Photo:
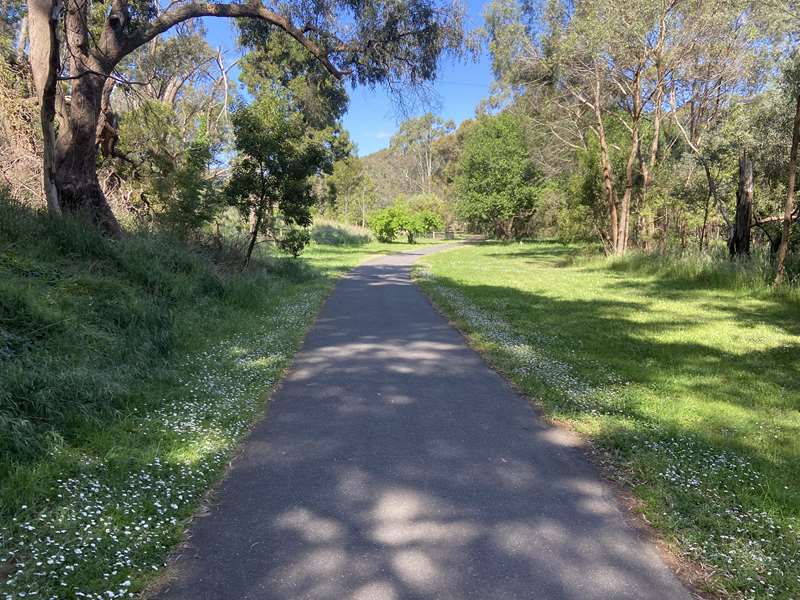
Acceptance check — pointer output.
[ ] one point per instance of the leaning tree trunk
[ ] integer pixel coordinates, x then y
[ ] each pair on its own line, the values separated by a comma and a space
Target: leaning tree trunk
259, 215
788, 209
739, 242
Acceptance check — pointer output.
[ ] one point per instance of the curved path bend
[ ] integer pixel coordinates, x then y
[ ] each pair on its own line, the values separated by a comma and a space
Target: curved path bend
394, 464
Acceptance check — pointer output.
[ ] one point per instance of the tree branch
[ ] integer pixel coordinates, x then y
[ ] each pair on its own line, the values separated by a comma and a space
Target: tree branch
184, 12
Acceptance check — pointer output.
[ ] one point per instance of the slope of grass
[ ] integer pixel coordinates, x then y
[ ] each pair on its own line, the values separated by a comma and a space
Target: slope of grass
691, 390
129, 371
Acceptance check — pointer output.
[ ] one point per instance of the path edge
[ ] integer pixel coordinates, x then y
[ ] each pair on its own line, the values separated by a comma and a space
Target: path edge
691, 574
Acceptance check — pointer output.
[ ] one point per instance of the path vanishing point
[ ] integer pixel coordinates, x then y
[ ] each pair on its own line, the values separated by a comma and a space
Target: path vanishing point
394, 464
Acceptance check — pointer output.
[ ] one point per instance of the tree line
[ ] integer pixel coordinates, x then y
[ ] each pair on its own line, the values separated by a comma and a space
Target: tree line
660, 126
674, 123
126, 112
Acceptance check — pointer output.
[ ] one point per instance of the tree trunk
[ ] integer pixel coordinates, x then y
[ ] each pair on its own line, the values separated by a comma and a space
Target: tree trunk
788, 208
44, 52
625, 205
70, 169
253, 235
739, 242
703, 236
76, 166
608, 183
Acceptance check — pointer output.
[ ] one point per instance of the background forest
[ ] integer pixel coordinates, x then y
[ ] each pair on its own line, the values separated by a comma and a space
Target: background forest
665, 129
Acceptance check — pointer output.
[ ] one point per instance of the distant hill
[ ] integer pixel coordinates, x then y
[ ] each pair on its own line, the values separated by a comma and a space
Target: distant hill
390, 171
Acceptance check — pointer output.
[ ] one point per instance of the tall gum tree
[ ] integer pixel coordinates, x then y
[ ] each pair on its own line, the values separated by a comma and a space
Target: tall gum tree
598, 61
366, 41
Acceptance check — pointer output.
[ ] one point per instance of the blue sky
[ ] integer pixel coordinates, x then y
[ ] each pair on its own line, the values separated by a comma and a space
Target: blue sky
372, 116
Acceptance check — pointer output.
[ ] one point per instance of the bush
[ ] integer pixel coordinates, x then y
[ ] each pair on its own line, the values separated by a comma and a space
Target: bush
339, 234
387, 223
384, 225
294, 241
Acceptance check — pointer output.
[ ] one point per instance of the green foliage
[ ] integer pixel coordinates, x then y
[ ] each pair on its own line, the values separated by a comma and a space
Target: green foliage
429, 221
294, 241
338, 234
497, 183
277, 154
276, 63
384, 224
349, 191
195, 200
178, 191
387, 223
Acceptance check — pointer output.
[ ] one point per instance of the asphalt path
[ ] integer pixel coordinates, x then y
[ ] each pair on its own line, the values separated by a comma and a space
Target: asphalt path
394, 464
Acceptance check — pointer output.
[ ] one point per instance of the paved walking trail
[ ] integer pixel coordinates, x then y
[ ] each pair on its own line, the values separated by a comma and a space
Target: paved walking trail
393, 464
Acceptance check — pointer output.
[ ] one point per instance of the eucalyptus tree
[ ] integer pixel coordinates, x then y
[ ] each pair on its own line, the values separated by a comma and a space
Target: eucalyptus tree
350, 189
417, 138
601, 60
364, 41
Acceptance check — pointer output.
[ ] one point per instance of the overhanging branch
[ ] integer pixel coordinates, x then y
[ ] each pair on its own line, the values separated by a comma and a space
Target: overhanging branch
183, 12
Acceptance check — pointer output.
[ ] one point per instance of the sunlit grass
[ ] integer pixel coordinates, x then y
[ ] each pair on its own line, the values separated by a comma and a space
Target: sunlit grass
94, 508
692, 390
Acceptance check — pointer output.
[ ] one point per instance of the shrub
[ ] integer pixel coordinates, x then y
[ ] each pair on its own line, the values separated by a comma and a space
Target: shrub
384, 224
339, 234
387, 223
294, 240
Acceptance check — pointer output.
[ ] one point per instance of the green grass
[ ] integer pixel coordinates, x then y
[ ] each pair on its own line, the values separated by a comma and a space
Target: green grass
687, 377
129, 372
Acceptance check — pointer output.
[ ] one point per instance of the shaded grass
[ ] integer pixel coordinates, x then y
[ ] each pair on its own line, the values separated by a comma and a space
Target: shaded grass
129, 371
692, 390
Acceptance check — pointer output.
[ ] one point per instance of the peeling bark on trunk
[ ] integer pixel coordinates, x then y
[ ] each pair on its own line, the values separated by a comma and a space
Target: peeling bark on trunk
788, 208
739, 242
43, 16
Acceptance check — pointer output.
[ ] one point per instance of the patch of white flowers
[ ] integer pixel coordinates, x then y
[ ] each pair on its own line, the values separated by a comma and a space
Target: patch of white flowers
99, 532
751, 548
528, 354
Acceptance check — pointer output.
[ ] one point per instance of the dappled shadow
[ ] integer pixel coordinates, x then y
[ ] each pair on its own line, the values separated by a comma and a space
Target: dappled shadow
609, 336
553, 254
395, 465
773, 309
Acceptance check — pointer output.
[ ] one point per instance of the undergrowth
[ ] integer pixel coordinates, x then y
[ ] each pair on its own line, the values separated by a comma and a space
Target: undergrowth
129, 371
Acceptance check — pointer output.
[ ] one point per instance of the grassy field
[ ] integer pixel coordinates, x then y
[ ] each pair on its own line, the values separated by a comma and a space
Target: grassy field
129, 372
687, 379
